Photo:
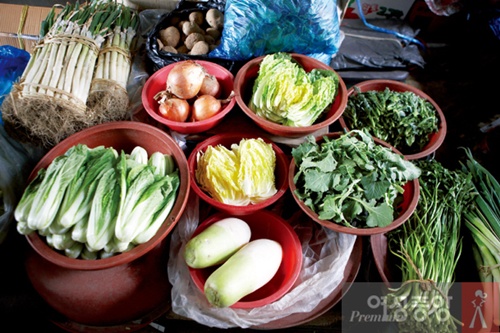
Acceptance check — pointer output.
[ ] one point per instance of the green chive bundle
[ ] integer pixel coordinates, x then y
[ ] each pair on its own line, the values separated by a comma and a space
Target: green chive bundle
483, 221
429, 246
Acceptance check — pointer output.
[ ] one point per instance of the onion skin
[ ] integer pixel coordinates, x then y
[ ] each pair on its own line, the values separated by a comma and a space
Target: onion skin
185, 79
174, 109
210, 86
204, 107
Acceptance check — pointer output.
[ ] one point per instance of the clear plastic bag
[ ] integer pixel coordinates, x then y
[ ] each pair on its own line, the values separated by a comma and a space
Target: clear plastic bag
258, 27
325, 256
365, 48
445, 7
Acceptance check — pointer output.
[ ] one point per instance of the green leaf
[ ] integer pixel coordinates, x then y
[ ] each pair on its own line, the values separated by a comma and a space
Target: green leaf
102, 217
375, 189
379, 216
317, 181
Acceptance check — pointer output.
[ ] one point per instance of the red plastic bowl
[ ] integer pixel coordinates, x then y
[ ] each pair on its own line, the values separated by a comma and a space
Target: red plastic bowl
157, 83
435, 139
384, 261
406, 208
263, 224
243, 85
226, 140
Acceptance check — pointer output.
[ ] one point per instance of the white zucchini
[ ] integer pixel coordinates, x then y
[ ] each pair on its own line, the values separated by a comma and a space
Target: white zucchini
217, 243
247, 270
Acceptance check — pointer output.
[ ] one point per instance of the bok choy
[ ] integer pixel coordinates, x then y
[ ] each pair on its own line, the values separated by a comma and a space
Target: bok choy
94, 202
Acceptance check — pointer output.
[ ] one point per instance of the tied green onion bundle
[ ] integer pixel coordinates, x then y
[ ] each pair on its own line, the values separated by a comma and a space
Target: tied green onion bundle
51, 100
93, 203
108, 97
429, 246
483, 220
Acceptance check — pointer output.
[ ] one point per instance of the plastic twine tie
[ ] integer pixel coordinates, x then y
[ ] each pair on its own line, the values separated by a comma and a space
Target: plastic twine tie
20, 28
374, 27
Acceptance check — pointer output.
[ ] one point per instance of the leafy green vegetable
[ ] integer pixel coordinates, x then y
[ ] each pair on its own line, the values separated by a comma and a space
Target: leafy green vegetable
256, 173
104, 208
238, 176
76, 202
136, 185
166, 190
93, 203
403, 119
350, 179
23, 208
429, 246
483, 220
51, 191
286, 94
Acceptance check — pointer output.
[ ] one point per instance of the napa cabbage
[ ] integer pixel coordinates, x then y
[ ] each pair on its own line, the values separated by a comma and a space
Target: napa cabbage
286, 94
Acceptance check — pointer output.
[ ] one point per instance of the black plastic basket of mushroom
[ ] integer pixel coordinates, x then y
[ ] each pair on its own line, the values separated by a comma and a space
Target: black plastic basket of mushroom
190, 31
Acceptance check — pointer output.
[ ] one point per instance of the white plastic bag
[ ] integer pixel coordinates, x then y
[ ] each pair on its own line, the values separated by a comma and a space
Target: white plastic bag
325, 256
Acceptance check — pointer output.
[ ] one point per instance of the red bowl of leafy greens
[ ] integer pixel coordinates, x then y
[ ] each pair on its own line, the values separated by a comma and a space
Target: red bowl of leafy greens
397, 113
289, 94
238, 174
353, 182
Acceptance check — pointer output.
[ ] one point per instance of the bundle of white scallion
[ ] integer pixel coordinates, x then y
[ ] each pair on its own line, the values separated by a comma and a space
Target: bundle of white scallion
483, 222
108, 97
49, 103
93, 203
429, 246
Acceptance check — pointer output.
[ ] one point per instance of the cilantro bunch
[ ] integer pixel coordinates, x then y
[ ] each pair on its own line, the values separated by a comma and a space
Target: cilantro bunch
351, 180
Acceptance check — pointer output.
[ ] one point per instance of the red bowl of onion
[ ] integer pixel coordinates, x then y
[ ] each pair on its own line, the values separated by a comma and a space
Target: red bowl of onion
189, 96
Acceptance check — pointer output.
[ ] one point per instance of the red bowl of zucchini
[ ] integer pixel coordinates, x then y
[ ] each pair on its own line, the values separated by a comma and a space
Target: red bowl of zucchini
397, 113
257, 263
353, 183
237, 173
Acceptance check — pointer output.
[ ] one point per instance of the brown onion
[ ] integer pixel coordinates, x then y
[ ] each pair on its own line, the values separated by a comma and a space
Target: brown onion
185, 79
205, 106
174, 109
210, 86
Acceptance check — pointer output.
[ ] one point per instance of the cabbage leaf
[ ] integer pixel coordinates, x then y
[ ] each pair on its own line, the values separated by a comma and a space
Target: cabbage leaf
286, 94
238, 176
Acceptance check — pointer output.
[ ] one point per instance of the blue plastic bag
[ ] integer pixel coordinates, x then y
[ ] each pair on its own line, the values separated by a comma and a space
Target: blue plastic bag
254, 28
13, 61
